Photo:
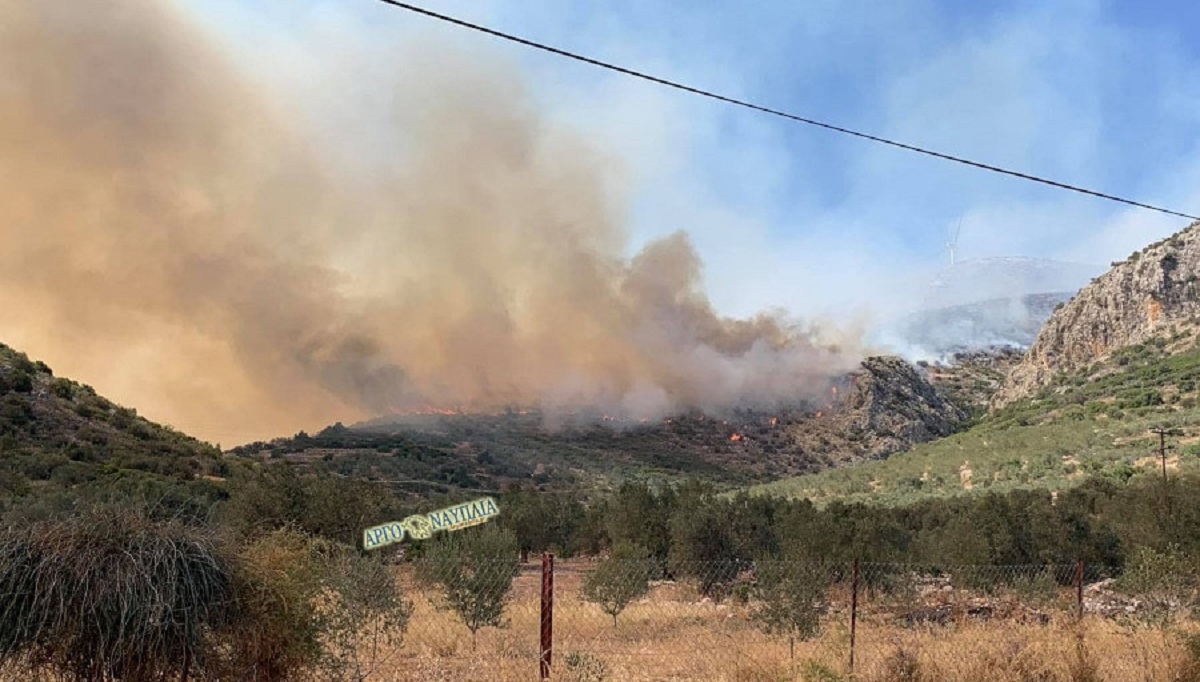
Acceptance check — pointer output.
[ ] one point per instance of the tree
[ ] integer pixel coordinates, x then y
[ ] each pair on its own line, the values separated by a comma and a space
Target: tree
474, 569
703, 548
641, 516
621, 578
367, 620
790, 593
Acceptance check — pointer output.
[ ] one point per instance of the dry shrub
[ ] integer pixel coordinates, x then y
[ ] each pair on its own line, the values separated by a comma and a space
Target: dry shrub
1189, 667
279, 628
110, 594
313, 606
903, 665
1083, 667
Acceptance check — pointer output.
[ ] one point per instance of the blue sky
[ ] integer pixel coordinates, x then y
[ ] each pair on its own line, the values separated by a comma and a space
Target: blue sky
1100, 94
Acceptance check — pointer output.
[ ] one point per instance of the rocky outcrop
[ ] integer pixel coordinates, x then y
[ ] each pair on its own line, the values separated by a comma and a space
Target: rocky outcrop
1156, 292
895, 407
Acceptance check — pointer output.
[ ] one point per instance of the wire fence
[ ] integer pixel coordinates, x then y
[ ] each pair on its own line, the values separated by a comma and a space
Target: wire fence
789, 620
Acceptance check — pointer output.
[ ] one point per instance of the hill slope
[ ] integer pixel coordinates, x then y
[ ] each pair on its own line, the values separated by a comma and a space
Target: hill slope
58, 433
881, 409
1094, 422
1155, 293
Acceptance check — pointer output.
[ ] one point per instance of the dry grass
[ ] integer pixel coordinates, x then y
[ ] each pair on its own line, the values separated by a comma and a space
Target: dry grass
673, 635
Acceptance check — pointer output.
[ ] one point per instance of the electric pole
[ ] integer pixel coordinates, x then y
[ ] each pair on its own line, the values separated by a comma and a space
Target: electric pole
1162, 455
1162, 449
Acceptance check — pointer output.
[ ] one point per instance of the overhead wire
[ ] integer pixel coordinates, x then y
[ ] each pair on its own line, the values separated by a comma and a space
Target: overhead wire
776, 112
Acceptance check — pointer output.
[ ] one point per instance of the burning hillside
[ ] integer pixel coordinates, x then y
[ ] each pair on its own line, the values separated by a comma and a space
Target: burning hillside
883, 408
161, 211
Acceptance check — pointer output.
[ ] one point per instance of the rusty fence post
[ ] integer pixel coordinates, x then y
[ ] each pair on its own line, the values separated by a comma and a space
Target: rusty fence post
547, 614
1079, 590
853, 613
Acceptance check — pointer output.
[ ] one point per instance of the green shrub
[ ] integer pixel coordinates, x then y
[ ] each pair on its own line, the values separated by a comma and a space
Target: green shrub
620, 579
583, 667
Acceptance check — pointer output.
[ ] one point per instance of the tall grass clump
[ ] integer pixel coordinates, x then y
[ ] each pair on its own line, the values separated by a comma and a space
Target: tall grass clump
113, 593
110, 594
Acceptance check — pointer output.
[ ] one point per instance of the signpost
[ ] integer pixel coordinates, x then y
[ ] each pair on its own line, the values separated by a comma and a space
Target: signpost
423, 526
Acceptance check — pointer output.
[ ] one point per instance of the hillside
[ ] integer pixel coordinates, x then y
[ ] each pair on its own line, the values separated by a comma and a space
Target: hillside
1155, 293
58, 434
1094, 422
883, 408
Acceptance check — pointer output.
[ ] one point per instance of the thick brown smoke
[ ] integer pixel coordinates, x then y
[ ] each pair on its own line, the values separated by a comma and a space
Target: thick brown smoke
171, 236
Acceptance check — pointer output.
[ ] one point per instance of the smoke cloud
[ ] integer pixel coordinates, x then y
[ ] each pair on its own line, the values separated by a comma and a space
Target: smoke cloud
173, 236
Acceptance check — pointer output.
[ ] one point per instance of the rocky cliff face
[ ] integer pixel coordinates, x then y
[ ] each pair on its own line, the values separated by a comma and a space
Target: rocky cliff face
894, 407
1156, 292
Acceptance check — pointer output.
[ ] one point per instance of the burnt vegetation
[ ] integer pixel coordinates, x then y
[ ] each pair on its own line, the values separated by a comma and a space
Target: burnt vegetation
885, 407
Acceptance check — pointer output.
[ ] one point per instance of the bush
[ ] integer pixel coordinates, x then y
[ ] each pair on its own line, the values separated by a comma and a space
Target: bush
620, 579
583, 667
279, 628
111, 594
1166, 580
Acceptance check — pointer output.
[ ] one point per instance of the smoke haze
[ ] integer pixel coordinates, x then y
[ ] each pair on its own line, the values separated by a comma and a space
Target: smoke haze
174, 237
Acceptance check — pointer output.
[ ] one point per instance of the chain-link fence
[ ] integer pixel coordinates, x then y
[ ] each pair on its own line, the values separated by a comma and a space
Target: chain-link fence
589, 620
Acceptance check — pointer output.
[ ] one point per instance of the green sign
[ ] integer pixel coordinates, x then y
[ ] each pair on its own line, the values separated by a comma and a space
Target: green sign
423, 526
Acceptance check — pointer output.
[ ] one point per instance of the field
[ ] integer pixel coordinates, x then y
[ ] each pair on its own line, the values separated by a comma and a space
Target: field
673, 635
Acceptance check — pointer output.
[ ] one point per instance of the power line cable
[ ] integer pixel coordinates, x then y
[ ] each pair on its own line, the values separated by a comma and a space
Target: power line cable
775, 112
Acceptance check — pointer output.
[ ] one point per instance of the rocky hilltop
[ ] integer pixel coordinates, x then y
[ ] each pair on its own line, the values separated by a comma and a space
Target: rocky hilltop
1155, 292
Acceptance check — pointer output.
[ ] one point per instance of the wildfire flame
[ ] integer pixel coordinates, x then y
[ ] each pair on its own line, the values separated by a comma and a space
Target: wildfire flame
834, 389
819, 414
736, 437
774, 421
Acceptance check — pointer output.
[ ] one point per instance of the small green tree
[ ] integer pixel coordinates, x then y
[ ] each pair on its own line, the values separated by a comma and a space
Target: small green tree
474, 569
1165, 580
790, 594
621, 578
367, 619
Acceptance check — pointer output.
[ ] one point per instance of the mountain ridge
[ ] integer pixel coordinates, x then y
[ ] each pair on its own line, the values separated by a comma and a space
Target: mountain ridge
1154, 292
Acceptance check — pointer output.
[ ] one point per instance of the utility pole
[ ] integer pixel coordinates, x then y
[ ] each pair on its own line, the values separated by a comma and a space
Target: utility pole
1162, 455
1162, 450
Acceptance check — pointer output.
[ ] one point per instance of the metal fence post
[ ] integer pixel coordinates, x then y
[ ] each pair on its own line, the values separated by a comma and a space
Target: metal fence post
1079, 589
853, 613
547, 614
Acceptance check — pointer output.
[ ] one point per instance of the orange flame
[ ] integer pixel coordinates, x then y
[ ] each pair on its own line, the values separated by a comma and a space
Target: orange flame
819, 415
774, 421
834, 389
736, 437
